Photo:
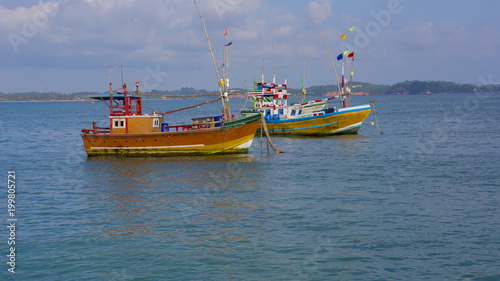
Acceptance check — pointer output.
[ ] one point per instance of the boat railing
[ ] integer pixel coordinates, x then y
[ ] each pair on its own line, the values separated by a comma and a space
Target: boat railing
118, 110
96, 130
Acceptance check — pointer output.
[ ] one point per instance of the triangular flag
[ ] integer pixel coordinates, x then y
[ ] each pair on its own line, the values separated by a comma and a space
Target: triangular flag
229, 44
347, 52
351, 55
343, 36
224, 32
351, 29
339, 57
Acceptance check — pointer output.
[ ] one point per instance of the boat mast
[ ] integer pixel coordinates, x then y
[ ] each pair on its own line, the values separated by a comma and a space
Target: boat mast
342, 97
221, 83
344, 55
225, 67
331, 58
304, 87
352, 63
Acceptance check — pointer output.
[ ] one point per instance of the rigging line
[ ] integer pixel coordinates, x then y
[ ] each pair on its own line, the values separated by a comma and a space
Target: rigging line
331, 58
372, 104
189, 107
236, 77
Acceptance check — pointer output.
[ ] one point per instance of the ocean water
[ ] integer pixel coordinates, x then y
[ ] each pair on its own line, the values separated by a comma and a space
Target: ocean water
419, 202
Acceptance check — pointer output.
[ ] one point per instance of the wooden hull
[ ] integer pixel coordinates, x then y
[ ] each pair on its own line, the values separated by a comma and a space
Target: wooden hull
345, 121
234, 137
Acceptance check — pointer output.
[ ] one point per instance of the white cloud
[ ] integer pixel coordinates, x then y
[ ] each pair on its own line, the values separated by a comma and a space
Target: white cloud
320, 10
284, 31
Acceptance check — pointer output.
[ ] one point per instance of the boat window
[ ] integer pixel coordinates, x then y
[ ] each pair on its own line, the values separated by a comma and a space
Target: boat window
280, 111
293, 112
156, 122
268, 111
119, 123
300, 112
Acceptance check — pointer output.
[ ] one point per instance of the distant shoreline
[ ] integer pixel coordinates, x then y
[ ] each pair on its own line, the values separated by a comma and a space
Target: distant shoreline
241, 97
358, 89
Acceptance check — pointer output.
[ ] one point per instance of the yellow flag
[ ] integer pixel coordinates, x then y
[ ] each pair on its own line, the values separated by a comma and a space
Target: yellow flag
343, 36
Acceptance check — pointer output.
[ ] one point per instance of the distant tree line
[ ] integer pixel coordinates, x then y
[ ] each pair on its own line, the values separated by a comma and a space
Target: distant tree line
52, 96
407, 88
433, 87
182, 91
403, 88
373, 89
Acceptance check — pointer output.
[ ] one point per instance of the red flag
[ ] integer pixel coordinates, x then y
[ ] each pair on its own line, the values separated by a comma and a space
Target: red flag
224, 32
351, 55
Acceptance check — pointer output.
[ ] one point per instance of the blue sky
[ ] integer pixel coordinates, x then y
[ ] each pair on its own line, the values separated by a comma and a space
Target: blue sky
61, 45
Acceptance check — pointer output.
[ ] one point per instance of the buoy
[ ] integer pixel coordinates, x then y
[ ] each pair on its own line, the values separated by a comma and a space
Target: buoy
372, 123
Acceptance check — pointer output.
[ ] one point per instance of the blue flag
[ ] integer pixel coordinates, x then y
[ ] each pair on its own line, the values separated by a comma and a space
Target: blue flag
339, 57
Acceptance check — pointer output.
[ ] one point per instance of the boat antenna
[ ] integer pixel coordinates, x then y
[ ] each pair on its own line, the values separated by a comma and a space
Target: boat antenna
121, 69
262, 77
109, 80
274, 67
331, 58
303, 89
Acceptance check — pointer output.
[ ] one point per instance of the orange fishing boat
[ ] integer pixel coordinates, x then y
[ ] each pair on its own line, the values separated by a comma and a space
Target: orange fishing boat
133, 133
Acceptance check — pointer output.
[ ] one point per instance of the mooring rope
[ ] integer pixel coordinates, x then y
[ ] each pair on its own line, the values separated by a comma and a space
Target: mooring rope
372, 104
267, 133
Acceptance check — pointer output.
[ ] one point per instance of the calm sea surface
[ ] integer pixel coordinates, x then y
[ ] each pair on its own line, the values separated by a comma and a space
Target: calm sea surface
420, 202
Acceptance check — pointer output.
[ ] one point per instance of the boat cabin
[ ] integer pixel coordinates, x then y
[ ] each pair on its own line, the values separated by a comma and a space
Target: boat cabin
125, 113
270, 97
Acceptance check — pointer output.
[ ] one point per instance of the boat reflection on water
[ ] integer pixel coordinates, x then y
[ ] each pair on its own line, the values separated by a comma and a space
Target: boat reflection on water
173, 198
